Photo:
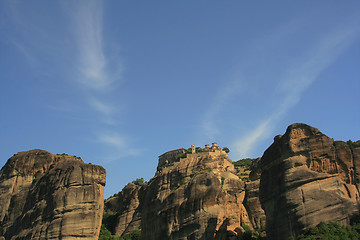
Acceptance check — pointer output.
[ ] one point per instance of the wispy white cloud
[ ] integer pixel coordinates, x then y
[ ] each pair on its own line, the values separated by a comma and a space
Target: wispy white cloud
244, 145
209, 125
99, 72
106, 110
95, 70
291, 78
114, 140
297, 79
120, 146
101, 107
26, 53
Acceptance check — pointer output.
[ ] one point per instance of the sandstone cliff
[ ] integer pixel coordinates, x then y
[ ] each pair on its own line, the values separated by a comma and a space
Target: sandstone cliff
307, 178
46, 196
123, 211
197, 197
251, 202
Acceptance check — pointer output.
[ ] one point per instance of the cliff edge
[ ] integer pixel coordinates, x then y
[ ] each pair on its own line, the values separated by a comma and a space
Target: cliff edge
308, 178
47, 196
198, 196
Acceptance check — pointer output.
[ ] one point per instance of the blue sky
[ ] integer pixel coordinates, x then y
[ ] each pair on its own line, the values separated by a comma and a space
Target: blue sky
121, 82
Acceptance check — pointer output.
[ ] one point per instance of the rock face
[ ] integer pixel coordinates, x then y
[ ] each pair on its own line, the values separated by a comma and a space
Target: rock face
197, 197
45, 196
251, 201
307, 178
126, 207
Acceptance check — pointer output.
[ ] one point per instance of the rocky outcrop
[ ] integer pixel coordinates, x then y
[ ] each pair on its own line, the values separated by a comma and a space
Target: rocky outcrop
307, 178
197, 197
47, 196
251, 202
302, 179
125, 208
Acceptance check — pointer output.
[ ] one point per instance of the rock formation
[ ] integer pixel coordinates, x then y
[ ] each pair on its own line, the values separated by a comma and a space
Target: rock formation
197, 197
302, 179
125, 208
306, 178
251, 201
47, 196
194, 198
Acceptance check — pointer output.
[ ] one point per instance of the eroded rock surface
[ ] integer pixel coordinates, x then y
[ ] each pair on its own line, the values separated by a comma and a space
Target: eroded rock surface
307, 178
251, 201
125, 208
197, 197
45, 196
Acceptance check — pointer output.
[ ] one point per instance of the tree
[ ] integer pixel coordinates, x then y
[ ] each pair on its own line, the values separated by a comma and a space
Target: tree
226, 149
138, 181
105, 234
332, 230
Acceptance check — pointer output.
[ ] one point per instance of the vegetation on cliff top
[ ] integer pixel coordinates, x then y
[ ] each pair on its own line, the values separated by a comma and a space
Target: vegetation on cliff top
243, 168
352, 144
65, 154
138, 181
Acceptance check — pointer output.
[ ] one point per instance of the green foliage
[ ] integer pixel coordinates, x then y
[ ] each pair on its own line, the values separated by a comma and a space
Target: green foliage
352, 144
222, 181
245, 179
246, 162
243, 168
134, 235
138, 181
201, 150
108, 227
250, 235
331, 231
166, 165
109, 220
181, 155
226, 149
105, 234
63, 154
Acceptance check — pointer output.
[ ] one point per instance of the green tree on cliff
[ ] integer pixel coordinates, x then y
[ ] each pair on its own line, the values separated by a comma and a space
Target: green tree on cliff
226, 149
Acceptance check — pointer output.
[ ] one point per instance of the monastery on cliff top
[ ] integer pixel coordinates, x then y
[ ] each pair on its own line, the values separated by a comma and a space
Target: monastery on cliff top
172, 155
